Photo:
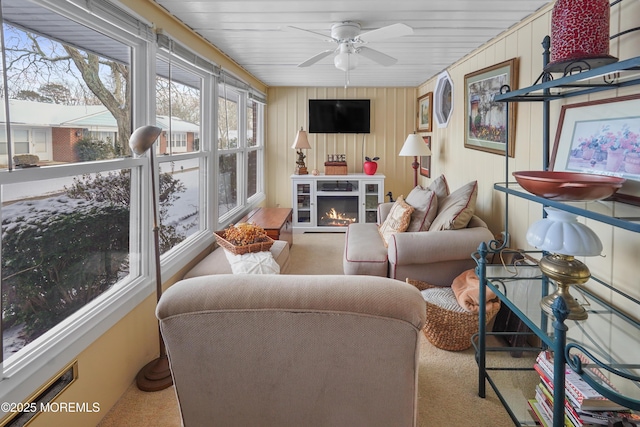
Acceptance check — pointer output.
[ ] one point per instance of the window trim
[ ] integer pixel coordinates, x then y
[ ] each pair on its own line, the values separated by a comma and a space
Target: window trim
53, 350
24, 372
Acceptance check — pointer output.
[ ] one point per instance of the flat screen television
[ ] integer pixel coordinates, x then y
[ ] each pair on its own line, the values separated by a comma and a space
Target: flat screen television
339, 115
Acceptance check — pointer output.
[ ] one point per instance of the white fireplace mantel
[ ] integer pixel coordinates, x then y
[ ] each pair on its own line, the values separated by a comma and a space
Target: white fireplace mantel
330, 202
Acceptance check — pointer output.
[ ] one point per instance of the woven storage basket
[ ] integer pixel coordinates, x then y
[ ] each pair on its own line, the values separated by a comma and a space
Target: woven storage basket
244, 249
448, 326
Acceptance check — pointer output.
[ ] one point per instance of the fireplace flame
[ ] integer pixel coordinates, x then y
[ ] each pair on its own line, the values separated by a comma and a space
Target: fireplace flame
333, 217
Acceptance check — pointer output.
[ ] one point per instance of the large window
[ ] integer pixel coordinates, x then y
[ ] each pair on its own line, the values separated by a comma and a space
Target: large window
254, 145
240, 149
178, 100
65, 233
77, 241
229, 149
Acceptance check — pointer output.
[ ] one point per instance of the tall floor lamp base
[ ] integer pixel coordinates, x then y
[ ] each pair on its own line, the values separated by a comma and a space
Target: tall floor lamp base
155, 375
415, 165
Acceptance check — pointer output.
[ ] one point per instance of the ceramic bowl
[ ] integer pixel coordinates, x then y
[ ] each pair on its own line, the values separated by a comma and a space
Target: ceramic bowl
568, 186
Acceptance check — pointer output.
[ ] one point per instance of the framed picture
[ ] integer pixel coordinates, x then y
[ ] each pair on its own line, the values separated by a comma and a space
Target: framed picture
487, 121
425, 108
444, 99
601, 137
425, 161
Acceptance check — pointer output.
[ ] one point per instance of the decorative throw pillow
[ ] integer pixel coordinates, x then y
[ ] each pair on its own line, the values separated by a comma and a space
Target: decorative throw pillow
440, 187
397, 221
253, 263
425, 205
455, 210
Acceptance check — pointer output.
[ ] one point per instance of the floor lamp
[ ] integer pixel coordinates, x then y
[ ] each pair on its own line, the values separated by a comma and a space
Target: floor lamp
415, 146
155, 375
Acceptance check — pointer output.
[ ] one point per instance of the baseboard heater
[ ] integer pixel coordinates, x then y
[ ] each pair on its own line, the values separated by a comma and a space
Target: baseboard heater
42, 397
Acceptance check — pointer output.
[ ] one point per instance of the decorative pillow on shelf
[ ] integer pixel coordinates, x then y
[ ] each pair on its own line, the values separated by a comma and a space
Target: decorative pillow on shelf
456, 209
425, 205
397, 221
440, 187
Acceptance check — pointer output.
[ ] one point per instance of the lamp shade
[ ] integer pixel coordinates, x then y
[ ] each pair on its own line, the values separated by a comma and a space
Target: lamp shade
414, 146
561, 233
143, 138
301, 141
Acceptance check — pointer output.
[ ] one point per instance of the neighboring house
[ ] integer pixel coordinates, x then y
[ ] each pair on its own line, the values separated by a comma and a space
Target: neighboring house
51, 131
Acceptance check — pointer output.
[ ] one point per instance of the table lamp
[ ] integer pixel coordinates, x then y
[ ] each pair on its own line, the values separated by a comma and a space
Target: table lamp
415, 146
301, 142
564, 238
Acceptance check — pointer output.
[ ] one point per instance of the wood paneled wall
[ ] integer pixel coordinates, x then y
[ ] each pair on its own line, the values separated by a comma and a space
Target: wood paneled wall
393, 117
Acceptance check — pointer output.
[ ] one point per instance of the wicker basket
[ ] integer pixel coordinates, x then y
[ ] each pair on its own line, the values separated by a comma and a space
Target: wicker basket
244, 249
449, 329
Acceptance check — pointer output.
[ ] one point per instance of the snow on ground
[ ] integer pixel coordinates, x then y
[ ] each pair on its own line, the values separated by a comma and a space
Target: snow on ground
47, 196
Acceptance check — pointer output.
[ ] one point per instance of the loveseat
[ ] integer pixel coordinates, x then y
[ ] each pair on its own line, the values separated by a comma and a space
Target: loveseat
432, 243
289, 350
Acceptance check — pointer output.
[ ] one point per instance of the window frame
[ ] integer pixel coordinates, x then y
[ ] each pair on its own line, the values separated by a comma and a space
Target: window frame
245, 202
52, 351
171, 260
24, 372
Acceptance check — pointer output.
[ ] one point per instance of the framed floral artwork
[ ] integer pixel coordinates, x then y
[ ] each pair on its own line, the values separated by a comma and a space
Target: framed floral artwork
425, 112
490, 125
425, 161
601, 137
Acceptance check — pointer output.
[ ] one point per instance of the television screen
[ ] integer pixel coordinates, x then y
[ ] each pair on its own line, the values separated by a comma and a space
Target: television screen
339, 115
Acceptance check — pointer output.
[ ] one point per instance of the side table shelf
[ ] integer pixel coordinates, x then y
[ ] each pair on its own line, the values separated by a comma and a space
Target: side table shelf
618, 214
606, 339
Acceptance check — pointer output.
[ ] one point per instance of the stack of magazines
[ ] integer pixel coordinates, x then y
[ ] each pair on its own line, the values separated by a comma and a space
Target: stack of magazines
583, 406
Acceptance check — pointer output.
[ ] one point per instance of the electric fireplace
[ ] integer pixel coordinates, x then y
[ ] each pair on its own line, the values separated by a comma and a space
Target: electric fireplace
337, 211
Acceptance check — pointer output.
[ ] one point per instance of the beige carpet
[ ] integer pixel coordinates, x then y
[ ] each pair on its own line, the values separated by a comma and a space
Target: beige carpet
317, 253
447, 381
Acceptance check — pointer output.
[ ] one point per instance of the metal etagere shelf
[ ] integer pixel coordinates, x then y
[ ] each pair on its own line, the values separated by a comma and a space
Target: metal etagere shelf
521, 287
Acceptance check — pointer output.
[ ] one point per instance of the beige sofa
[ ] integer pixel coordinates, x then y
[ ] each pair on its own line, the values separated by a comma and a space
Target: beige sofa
289, 350
432, 256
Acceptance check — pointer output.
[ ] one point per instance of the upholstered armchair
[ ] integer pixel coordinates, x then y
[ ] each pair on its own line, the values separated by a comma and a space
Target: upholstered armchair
278, 350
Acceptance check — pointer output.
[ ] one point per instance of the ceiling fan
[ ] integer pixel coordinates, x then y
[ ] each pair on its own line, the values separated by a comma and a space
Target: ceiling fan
351, 43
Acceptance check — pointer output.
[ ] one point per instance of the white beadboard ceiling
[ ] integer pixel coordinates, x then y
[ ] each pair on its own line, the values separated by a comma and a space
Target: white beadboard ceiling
251, 33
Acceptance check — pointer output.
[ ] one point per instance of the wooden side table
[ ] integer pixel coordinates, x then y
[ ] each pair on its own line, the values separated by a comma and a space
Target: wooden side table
277, 222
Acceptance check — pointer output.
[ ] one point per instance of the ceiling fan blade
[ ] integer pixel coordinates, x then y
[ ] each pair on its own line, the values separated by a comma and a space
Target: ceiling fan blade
388, 32
316, 58
320, 36
376, 56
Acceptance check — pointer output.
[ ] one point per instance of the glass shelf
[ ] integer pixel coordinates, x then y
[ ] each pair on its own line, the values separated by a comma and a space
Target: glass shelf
605, 334
627, 71
616, 213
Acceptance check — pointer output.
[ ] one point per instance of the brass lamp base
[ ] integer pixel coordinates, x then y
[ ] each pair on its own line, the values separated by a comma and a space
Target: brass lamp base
301, 170
565, 270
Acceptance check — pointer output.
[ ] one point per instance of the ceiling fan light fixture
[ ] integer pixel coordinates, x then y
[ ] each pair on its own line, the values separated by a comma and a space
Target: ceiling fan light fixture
345, 61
